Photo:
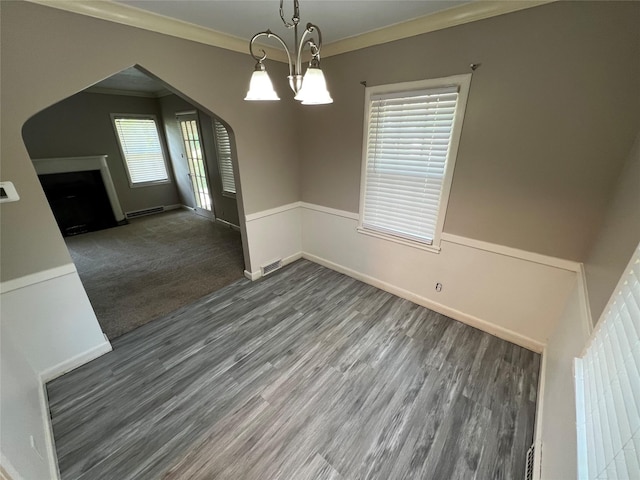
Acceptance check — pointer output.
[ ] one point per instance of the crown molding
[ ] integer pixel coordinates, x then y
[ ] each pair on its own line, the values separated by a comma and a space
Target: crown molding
136, 17
467, 13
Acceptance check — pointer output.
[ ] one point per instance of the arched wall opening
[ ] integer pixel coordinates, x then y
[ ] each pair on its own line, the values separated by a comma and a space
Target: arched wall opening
157, 263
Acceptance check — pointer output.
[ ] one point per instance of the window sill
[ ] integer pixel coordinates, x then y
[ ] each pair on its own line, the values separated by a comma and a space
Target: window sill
148, 184
400, 240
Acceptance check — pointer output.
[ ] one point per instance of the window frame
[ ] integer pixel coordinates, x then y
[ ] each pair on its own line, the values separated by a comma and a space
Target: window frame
132, 184
463, 82
601, 331
225, 193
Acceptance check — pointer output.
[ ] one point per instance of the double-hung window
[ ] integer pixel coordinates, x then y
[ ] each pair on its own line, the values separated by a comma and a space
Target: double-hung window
141, 149
223, 152
411, 139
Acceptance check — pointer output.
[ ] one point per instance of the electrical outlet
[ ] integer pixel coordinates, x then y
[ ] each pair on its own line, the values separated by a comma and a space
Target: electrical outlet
35, 446
438, 287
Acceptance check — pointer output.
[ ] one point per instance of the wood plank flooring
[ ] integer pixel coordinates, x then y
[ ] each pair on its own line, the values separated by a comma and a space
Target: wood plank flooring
305, 374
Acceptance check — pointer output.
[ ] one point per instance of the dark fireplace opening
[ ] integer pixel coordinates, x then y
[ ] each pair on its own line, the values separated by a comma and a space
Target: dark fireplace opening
79, 201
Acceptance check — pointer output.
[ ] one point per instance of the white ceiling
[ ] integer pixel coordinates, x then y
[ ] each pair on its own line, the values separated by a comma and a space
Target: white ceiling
337, 19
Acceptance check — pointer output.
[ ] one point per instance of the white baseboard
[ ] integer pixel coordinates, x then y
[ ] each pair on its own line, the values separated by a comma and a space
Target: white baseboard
285, 261
537, 435
470, 320
252, 275
228, 224
74, 362
50, 447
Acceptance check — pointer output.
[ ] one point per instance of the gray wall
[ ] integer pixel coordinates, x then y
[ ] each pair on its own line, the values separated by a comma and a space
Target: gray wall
225, 207
49, 55
618, 238
81, 126
552, 113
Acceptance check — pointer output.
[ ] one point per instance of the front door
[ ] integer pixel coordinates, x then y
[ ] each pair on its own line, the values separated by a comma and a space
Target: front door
190, 131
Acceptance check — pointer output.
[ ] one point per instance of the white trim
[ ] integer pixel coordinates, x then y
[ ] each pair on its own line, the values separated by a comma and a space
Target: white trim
471, 320
537, 436
123, 156
467, 13
585, 307
533, 257
135, 17
400, 240
38, 277
52, 457
463, 82
331, 211
75, 362
272, 211
513, 252
285, 261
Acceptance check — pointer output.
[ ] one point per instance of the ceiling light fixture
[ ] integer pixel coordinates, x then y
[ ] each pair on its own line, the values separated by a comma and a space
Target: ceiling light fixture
310, 89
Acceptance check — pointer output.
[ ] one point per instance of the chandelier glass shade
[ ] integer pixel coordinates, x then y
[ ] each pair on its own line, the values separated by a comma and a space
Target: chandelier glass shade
310, 89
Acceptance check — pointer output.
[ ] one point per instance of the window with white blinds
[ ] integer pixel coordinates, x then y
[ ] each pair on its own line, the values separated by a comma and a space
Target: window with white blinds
608, 387
223, 152
141, 149
412, 132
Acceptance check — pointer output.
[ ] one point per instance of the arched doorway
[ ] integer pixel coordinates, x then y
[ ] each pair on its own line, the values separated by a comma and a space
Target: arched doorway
118, 166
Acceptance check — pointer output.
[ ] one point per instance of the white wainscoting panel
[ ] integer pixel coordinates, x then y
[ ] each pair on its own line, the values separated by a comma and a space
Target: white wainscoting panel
272, 235
48, 328
53, 323
513, 298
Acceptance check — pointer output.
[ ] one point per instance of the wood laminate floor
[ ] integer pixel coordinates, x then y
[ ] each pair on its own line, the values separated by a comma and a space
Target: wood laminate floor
306, 374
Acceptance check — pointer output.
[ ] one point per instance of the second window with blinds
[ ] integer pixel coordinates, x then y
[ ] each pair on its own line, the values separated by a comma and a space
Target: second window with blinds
412, 131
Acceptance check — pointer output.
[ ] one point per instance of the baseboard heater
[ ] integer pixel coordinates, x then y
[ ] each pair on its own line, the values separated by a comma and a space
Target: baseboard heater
146, 211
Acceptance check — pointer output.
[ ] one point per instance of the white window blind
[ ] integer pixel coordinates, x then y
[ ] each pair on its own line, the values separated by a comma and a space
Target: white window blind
608, 387
141, 149
223, 150
408, 145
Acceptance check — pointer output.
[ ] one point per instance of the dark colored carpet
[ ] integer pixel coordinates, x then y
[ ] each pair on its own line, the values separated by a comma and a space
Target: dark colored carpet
156, 264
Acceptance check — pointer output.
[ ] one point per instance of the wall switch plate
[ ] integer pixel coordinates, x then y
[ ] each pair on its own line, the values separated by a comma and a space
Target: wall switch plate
8, 192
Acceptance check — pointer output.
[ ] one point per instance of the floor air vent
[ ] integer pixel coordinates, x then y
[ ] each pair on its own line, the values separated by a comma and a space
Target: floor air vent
528, 473
272, 267
147, 211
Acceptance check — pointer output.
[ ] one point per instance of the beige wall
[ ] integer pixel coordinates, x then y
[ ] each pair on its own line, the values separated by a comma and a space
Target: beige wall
552, 113
81, 126
618, 238
48, 55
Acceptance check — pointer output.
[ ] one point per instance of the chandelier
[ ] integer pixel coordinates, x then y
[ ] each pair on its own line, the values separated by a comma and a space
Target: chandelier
310, 89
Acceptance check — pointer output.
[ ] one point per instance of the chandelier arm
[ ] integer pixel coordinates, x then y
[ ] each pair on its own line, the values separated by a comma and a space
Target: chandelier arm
296, 14
313, 45
263, 56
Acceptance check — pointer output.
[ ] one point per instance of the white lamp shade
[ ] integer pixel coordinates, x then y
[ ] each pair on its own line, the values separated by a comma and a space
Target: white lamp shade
260, 87
314, 88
